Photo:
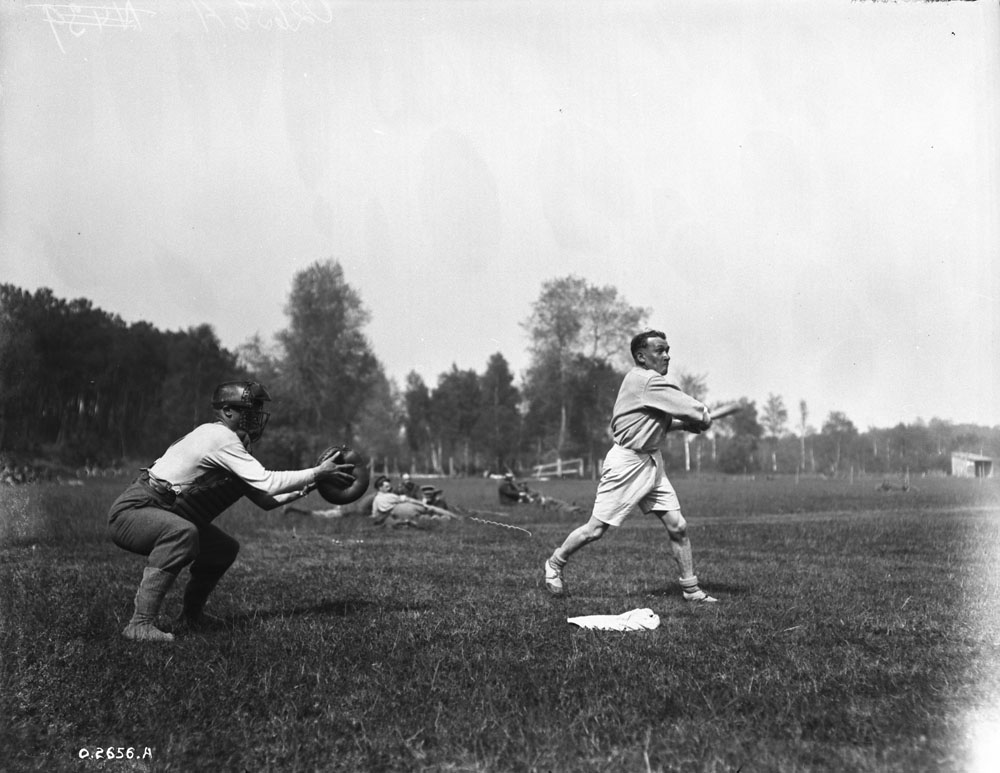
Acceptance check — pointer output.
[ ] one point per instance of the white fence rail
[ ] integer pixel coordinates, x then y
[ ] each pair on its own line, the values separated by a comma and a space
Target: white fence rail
560, 468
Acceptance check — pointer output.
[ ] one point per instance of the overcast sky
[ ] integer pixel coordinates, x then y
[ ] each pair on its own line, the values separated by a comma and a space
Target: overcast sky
806, 195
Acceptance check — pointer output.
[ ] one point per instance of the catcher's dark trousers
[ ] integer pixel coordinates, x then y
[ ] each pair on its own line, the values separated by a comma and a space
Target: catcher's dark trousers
140, 522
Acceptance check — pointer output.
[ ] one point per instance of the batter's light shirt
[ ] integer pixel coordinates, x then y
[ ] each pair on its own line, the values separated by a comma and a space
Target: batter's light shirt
214, 447
646, 406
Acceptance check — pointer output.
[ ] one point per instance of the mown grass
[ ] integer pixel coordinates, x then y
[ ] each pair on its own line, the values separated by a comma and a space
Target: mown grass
858, 631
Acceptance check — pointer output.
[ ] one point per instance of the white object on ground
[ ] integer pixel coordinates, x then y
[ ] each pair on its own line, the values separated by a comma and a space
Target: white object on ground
636, 620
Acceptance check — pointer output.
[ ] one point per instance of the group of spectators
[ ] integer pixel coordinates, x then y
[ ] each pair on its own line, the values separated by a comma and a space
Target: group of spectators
405, 503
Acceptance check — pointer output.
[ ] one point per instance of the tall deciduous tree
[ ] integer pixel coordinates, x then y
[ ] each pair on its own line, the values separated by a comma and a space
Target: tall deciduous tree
803, 431
196, 364
329, 365
498, 426
379, 425
594, 387
86, 387
837, 435
417, 422
739, 455
571, 318
455, 406
774, 420
259, 361
140, 368
21, 367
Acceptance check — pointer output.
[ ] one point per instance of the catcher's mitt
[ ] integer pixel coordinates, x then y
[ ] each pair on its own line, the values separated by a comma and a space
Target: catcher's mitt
361, 473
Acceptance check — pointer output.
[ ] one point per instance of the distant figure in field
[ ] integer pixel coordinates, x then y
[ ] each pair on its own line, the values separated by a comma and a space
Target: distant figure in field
434, 497
167, 512
648, 406
560, 505
407, 487
509, 493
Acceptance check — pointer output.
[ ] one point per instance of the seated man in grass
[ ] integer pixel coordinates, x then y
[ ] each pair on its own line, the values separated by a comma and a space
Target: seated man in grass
396, 510
434, 497
407, 487
509, 493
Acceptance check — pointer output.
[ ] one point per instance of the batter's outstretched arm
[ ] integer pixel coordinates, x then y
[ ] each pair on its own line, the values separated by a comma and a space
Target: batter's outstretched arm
689, 414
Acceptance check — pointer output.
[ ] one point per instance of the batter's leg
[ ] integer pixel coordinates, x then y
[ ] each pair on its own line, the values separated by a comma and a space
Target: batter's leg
680, 549
589, 532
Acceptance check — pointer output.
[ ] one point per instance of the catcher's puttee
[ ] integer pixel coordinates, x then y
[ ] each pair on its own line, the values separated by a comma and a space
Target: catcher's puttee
361, 473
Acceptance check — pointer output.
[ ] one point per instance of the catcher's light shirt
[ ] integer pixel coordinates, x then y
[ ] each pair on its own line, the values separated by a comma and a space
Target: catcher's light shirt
213, 448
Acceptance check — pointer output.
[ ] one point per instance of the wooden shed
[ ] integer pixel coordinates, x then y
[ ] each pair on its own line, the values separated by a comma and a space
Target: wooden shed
964, 465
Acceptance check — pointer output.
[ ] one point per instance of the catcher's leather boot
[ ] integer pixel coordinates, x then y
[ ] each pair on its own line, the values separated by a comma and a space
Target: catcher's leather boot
193, 617
148, 599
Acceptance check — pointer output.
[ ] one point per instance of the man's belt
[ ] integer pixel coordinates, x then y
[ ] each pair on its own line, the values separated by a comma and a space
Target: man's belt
202, 501
160, 487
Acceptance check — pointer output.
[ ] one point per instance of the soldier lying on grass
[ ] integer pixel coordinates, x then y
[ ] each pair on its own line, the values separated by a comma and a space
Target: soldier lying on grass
398, 510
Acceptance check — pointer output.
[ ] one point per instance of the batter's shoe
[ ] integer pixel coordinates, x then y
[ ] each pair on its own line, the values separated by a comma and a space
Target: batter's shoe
700, 597
554, 580
692, 591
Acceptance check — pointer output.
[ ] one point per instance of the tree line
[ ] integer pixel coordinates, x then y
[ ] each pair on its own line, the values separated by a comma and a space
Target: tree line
80, 386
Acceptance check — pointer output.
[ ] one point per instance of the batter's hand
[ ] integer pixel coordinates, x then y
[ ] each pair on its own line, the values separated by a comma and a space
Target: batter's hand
696, 426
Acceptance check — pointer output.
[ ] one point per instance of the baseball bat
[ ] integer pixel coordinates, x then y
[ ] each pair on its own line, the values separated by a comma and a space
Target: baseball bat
720, 411
725, 409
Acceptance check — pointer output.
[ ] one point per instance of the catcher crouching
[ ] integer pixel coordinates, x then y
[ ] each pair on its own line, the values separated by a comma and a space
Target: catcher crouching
166, 513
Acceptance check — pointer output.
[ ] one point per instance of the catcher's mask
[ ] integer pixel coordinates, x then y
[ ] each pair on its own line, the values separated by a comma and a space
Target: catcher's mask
249, 398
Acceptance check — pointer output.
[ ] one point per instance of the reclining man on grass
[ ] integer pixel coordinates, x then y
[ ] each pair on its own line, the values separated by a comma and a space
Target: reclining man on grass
396, 510
430, 495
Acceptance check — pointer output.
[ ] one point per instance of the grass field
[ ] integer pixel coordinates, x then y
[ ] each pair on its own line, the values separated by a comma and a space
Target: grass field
858, 631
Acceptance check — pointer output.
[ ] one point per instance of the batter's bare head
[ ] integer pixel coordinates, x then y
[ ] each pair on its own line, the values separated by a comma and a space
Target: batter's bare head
650, 350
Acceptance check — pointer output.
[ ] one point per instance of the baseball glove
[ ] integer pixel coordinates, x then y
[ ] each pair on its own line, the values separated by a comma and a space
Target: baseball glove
362, 476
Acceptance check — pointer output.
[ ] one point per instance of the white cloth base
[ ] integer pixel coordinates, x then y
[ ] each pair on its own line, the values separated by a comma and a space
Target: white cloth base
636, 620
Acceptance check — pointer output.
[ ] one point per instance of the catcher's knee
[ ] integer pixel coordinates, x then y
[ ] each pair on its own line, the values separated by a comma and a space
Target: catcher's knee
216, 556
177, 547
228, 550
